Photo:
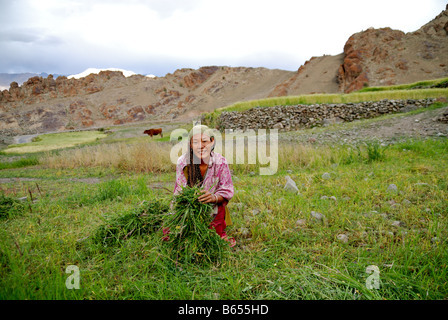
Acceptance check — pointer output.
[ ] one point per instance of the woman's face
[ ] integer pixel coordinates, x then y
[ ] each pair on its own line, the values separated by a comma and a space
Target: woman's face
202, 145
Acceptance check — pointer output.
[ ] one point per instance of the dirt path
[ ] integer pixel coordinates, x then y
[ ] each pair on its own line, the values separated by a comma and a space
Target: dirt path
83, 180
402, 126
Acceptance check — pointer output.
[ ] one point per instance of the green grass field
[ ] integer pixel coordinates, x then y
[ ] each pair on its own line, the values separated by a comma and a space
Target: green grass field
281, 252
76, 195
436, 83
47, 142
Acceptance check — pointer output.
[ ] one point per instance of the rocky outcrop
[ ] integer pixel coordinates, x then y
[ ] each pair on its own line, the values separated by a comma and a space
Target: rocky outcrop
377, 57
436, 27
196, 78
285, 118
38, 89
373, 45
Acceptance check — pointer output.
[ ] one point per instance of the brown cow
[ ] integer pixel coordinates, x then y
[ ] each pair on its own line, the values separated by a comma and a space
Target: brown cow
154, 132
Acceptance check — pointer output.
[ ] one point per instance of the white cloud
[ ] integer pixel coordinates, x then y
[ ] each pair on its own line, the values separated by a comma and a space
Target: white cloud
72, 35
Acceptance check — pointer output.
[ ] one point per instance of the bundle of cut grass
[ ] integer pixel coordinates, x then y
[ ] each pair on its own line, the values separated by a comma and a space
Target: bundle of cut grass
144, 219
190, 236
10, 207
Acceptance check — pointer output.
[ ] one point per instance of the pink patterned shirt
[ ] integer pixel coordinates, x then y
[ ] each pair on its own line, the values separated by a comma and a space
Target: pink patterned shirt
217, 180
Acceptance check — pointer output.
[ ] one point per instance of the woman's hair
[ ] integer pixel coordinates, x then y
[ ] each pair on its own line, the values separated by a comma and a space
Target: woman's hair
194, 171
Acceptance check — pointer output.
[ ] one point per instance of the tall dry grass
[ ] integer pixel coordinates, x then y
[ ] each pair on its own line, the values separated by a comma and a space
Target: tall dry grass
137, 157
155, 157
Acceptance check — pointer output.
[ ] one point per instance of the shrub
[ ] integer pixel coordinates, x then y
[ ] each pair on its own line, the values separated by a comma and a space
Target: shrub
375, 152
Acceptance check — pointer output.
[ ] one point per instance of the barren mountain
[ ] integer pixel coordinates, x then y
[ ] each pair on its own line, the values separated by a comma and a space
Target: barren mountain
110, 98
372, 57
376, 57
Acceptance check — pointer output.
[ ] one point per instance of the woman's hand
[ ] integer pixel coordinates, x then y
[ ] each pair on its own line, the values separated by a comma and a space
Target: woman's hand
208, 197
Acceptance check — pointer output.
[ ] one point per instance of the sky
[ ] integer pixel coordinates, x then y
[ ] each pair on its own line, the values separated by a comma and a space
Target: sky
160, 36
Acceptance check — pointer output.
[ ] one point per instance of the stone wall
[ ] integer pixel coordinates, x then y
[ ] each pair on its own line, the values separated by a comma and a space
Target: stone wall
287, 118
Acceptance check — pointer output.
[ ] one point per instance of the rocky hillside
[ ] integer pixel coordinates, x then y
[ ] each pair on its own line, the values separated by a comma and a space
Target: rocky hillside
109, 98
371, 57
376, 57
20, 78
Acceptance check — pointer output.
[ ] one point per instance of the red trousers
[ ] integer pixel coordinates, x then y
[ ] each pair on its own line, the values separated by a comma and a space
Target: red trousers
219, 223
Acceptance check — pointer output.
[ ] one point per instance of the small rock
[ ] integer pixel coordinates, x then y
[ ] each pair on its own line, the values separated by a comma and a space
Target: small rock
346, 198
392, 188
326, 176
290, 185
255, 212
268, 194
317, 216
301, 222
252, 173
406, 202
278, 125
22, 198
342, 237
323, 197
289, 171
333, 198
397, 223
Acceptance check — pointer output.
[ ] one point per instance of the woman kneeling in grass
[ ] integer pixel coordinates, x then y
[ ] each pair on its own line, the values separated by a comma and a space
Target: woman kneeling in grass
204, 167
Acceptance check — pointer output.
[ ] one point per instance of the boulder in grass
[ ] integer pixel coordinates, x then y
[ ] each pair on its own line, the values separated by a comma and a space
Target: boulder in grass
318, 217
300, 222
392, 188
291, 185
326, 176
342, 237
397, 223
